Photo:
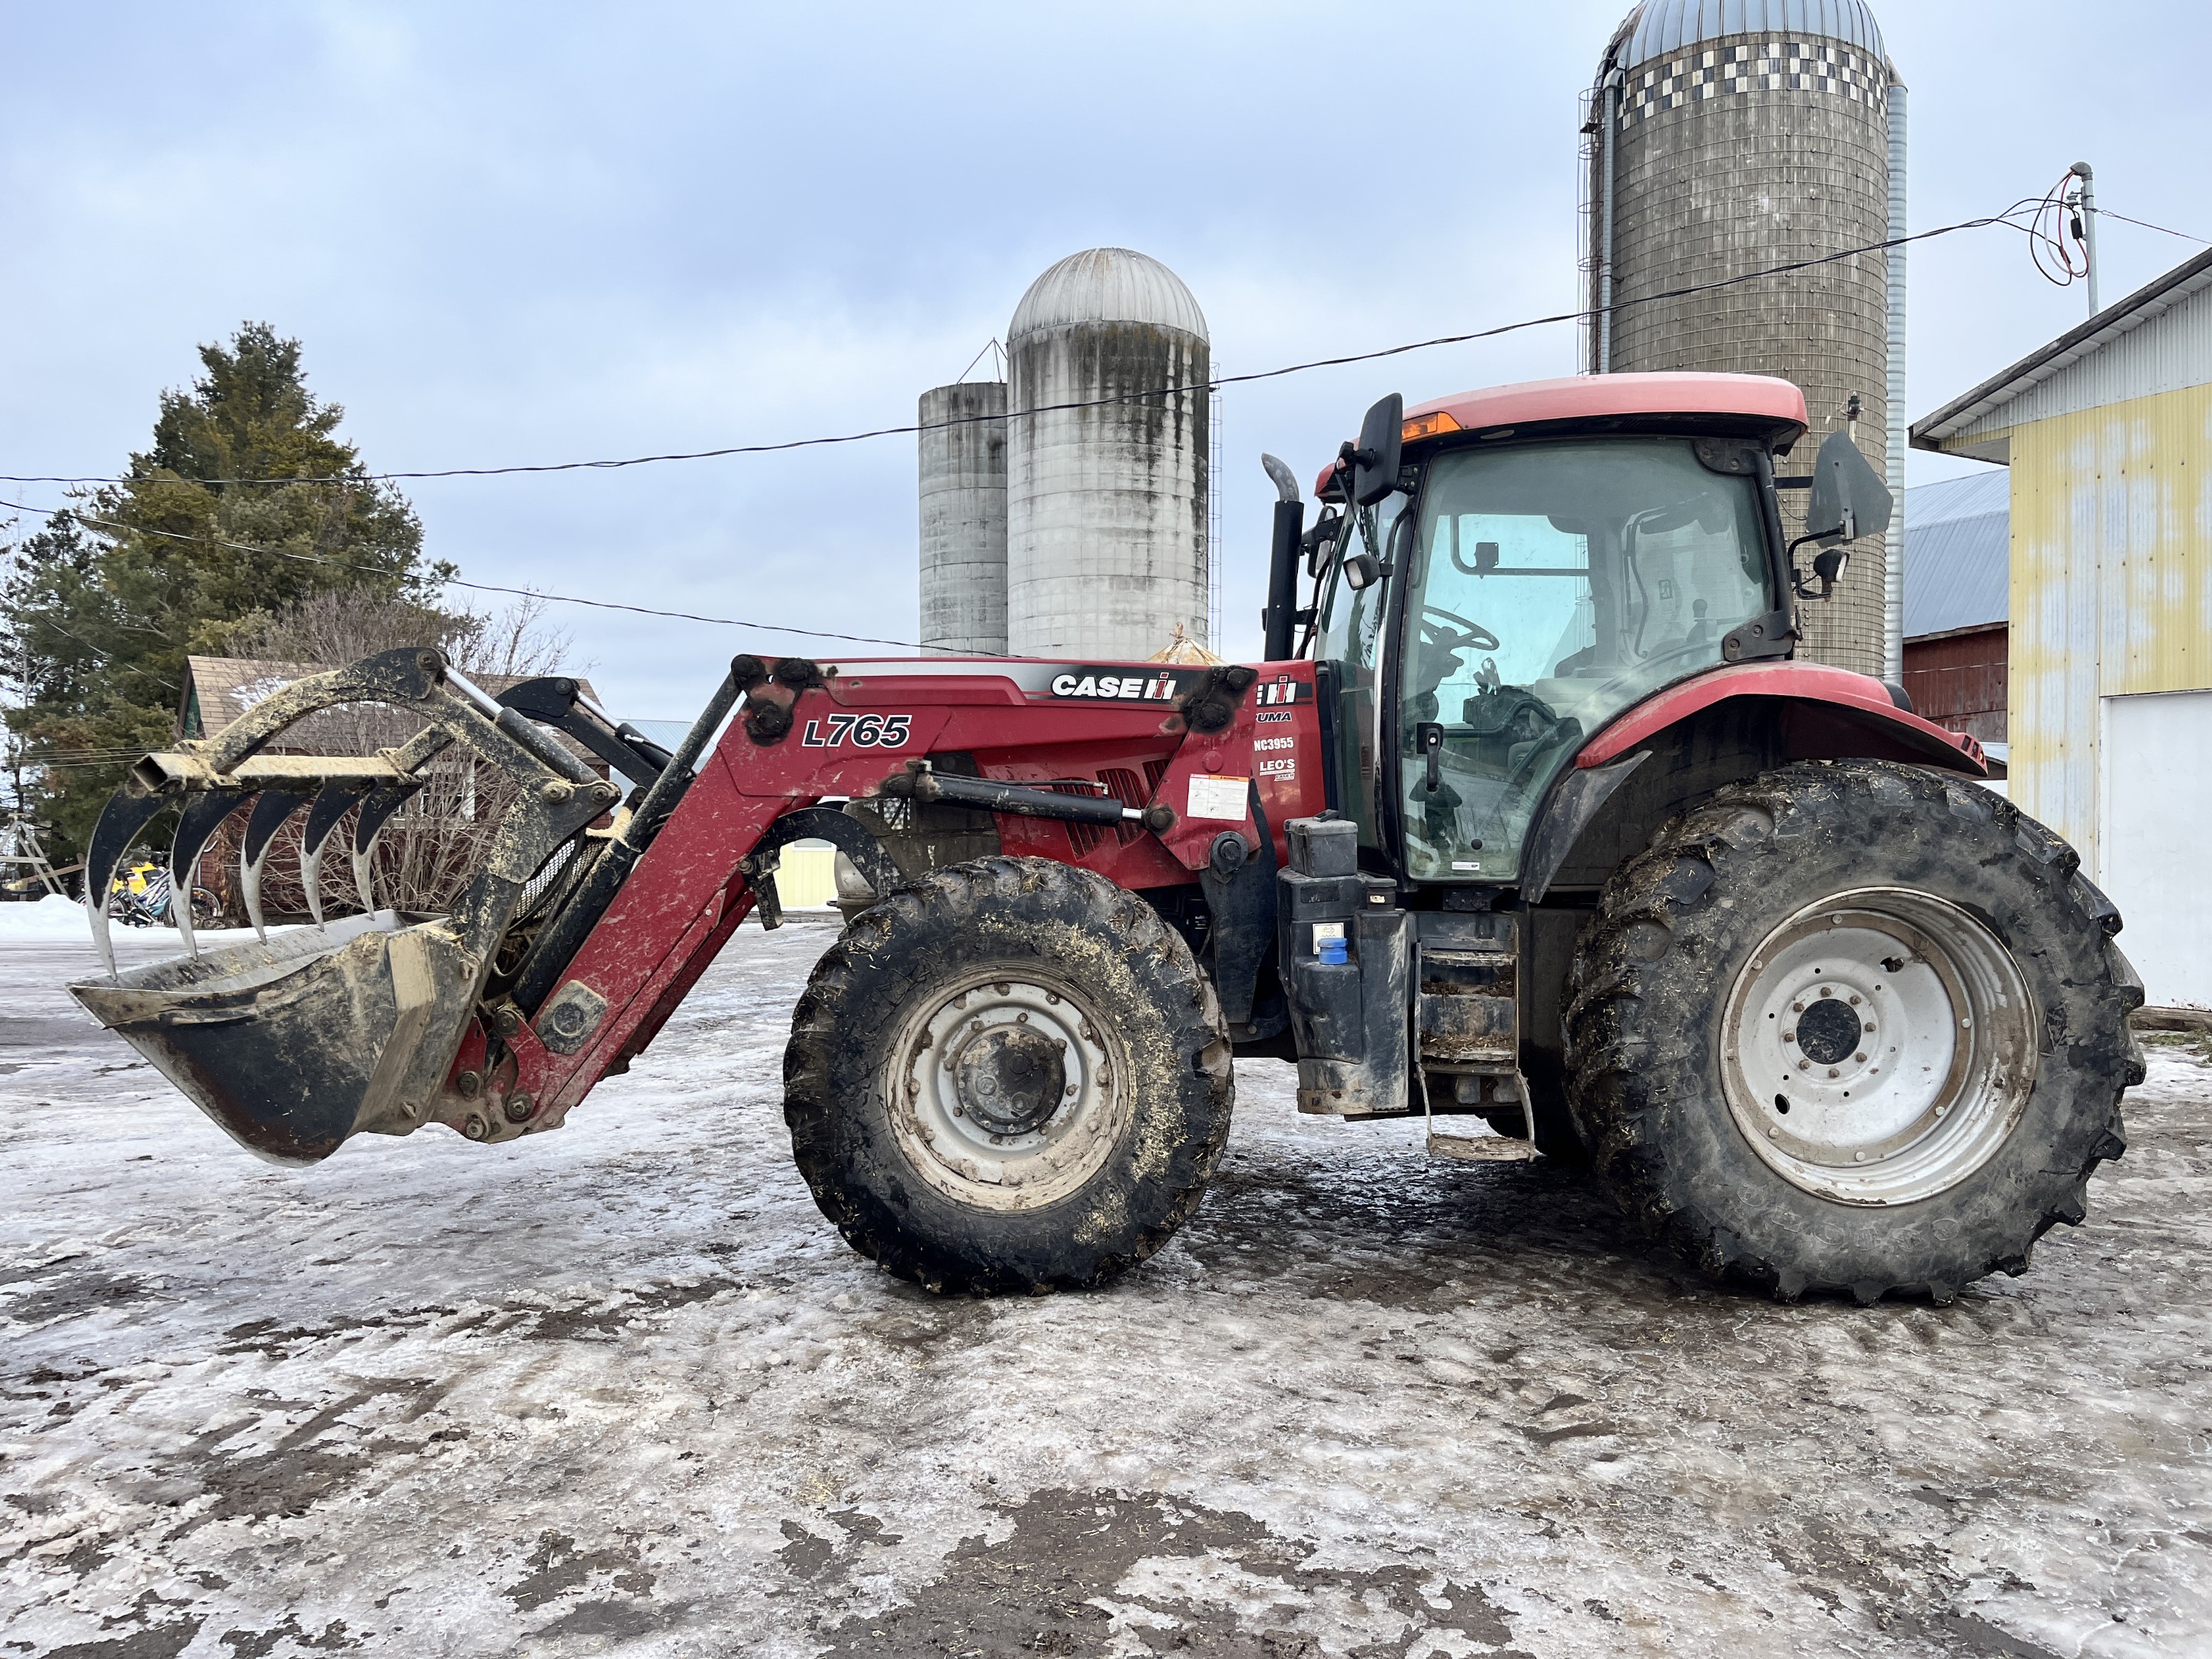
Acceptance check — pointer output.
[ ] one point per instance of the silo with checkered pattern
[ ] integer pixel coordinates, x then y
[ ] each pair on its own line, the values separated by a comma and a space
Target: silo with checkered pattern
1728, 137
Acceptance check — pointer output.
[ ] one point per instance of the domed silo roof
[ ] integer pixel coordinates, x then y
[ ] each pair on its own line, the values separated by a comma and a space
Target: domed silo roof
1660, 26
1108, 435
1107, 285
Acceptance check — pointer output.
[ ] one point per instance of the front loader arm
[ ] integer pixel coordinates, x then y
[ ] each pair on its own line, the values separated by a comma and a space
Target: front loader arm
497, 1020
804, 739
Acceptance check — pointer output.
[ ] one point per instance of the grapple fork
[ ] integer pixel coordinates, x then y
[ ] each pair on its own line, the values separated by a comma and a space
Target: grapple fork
292, 1044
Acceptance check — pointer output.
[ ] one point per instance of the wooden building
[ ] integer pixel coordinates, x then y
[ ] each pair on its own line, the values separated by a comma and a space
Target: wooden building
1957, 603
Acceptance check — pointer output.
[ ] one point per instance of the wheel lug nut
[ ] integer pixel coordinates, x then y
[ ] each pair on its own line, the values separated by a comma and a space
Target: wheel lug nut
1804, 1065
1796, 1007
1855, 1002
1826, 992
1860, 1058
1789, 1036
1833, 1072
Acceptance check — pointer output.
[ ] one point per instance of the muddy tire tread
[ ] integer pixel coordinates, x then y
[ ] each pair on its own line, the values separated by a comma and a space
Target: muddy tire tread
853, 975
1649, 905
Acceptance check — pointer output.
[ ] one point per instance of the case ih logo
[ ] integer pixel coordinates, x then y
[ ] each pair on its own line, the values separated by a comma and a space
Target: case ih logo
1124, 684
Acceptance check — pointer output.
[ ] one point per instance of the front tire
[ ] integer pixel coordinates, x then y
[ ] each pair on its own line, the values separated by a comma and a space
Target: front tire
1011, 1075
1852, 1026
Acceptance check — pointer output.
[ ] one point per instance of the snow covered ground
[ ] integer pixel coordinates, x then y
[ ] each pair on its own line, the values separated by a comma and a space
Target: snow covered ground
619, 1388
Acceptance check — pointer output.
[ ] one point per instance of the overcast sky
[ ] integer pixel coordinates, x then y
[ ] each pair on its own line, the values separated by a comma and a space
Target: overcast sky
526, 234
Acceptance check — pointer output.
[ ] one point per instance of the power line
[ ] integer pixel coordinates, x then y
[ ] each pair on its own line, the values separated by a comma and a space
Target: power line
1585, 315
2107, 213
450, 582
2004, 218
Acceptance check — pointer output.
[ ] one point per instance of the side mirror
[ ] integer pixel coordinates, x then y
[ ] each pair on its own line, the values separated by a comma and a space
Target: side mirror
1375, 463
1319, 543
1849, 497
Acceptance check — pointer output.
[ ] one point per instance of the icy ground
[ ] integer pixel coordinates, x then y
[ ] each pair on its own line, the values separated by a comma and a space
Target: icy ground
619, 1388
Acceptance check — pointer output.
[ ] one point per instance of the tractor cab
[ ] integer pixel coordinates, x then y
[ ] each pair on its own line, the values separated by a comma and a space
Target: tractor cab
1498, 577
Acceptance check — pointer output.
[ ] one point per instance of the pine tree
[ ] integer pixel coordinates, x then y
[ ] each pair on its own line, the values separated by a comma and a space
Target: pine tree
246, 503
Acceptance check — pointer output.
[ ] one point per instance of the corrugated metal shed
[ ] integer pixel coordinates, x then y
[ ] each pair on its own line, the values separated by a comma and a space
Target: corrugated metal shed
1958, 554
1659, 27
2118, 357
2108, 433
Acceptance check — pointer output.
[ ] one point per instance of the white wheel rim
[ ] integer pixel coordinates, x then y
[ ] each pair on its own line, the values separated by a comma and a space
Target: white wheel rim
1878, 1047
1007, 1093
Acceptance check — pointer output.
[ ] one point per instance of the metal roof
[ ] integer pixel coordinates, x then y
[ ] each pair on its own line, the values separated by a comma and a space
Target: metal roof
2153, 299
1660, 26
1958, 554
1107, 285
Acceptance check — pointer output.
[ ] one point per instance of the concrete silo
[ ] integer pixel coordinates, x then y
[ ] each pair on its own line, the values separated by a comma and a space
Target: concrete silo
1730, 136
1106, 503
963, 518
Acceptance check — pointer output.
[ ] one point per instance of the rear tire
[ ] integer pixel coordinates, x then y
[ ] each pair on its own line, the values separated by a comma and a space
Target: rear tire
1011, 1075
1852, 1026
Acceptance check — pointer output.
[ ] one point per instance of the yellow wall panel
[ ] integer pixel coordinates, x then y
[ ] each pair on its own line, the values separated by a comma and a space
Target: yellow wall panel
2112, 585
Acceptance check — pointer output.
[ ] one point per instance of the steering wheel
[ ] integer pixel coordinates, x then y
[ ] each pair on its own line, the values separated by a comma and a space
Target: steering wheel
1474, 634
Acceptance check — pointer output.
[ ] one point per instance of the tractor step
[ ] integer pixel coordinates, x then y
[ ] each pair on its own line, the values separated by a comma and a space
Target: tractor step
1480, 1148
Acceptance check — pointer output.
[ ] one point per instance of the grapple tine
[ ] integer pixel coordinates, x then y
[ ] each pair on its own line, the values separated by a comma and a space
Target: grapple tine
379, 805
330, 805
269, 812
120, 821
202, 816
181, 916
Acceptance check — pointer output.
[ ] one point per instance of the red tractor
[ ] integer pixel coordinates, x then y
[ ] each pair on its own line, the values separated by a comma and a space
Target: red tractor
1529, 816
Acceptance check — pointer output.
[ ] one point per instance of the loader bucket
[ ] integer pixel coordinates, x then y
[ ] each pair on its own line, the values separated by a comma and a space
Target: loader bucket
294, 1044
297, 1041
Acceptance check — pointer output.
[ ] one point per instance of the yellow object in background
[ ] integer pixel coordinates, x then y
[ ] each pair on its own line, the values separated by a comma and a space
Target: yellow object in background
807, 875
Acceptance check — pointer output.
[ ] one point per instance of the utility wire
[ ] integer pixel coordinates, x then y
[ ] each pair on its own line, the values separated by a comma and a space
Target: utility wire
2107, 213
2005, 218
451, 582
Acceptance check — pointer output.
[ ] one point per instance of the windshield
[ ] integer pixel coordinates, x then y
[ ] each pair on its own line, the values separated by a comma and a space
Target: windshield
1552, 586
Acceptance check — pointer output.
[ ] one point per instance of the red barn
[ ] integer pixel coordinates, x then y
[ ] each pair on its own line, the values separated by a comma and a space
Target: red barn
1958, 562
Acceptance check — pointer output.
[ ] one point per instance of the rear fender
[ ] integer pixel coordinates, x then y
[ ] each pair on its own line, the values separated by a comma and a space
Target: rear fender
1822, 713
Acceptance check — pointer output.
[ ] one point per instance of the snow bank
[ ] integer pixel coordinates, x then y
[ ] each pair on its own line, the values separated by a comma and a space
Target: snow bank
56, 921
50, 921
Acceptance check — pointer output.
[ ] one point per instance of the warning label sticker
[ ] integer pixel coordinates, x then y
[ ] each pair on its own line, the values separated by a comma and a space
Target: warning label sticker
1219, 797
